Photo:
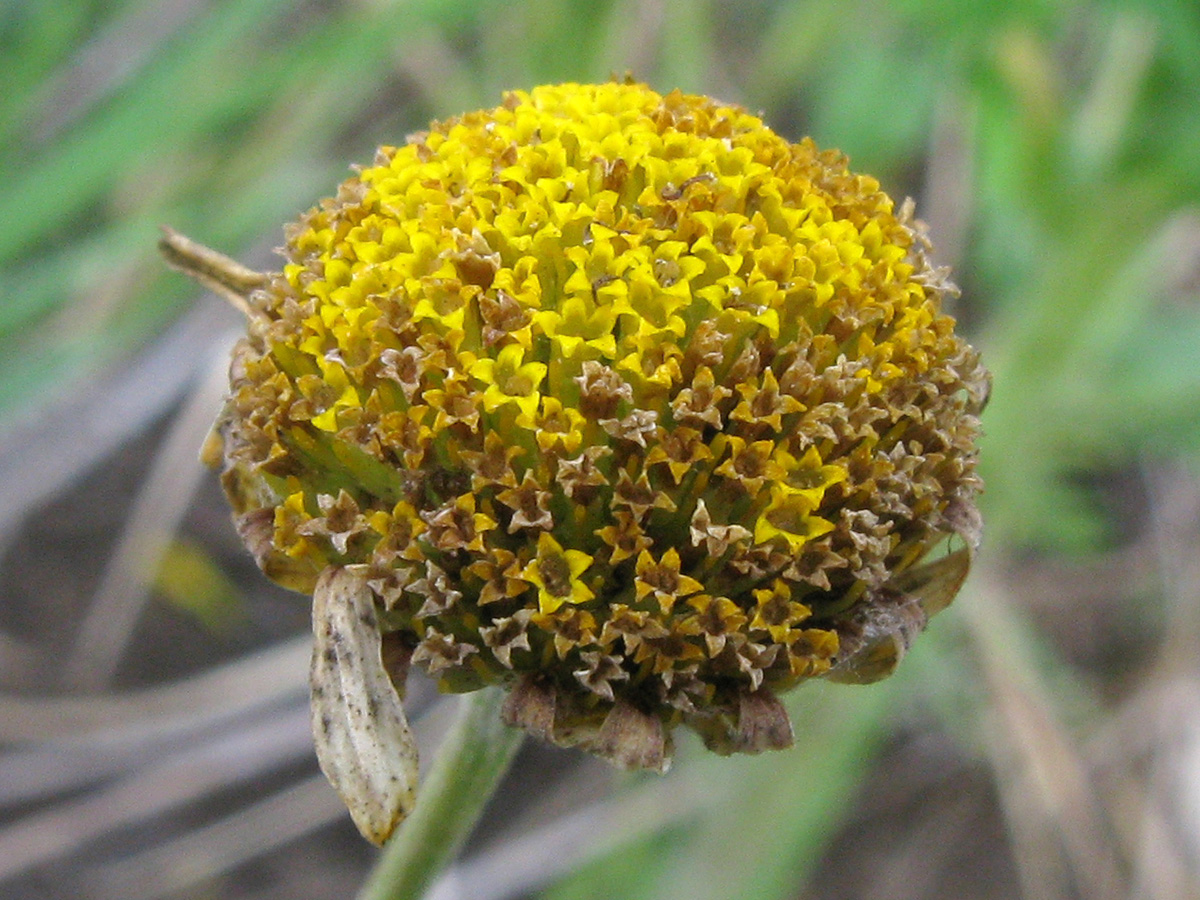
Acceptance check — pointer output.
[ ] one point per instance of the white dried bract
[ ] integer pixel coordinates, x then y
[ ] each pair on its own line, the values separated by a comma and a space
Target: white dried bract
363, 741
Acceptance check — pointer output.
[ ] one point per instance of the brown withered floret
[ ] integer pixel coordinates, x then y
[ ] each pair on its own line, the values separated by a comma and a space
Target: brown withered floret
681, 449
507, 634
530, 505
638, 497
501, 576
576, 476
625, 536
438, 652
601, 390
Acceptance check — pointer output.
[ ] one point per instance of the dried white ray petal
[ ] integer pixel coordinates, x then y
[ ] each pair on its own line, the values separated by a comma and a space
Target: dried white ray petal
363, 741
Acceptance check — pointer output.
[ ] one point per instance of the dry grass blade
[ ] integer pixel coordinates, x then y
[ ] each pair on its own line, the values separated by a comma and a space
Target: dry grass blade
181, 778
1174, 530
1155, 777
209, 852
41, 456
102, 64
164, 498
259, 828
948, 178
245, 684
1063, 841
1165, 846
521, 865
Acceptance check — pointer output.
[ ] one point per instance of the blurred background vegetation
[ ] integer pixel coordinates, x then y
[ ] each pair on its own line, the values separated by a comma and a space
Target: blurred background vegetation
1041, 741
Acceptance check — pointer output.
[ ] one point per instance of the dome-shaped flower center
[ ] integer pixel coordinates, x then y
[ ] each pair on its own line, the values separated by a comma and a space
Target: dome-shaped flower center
616, 398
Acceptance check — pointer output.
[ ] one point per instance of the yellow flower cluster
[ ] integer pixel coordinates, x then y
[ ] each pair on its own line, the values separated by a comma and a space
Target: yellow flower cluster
621, 399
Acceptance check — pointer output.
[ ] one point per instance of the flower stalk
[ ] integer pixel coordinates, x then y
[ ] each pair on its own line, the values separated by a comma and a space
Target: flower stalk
469, 767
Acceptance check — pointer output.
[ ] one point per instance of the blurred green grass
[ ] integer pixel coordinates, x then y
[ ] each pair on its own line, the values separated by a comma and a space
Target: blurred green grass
1057, 143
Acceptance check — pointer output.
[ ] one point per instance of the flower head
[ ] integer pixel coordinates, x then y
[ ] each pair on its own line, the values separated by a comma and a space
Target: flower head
621, 400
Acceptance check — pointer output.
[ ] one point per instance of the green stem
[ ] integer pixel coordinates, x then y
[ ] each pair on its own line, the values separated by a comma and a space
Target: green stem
469, 767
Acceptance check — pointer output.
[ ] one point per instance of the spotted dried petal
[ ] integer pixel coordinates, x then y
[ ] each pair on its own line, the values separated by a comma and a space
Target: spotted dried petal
363, 741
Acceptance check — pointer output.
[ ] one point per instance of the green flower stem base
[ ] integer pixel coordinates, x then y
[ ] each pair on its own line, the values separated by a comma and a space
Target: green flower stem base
469, 767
